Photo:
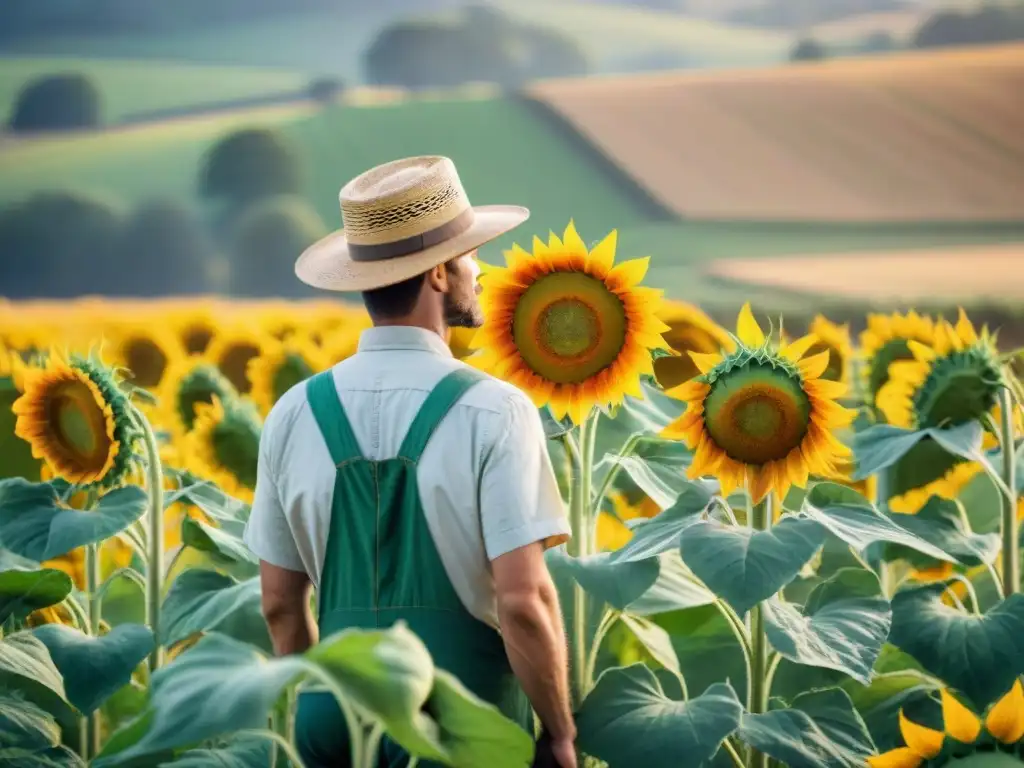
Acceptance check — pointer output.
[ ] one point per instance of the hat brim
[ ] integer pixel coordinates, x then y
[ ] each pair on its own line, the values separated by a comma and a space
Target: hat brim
327, 264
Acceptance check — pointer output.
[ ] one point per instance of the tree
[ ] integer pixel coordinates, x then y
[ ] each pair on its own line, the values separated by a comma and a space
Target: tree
58, 244
808, 50
249, 165
989, 24
56, 102
268, 238
163, 249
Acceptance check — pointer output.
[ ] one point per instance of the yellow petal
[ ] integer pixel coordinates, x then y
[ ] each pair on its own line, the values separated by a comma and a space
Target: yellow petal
959, 722
901, 757
747, 329
1005, 720
924, 741
921, 352
573, 241
813, 367
705, 361
798, 348
965, 329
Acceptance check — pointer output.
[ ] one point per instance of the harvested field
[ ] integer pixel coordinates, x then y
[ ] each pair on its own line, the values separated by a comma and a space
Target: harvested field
957, 274
912, 137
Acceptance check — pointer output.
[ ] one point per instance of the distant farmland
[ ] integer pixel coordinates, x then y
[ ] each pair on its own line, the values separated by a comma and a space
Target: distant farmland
913, 137
953, 274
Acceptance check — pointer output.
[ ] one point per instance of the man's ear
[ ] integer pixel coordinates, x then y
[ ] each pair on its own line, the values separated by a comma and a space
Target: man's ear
438, 278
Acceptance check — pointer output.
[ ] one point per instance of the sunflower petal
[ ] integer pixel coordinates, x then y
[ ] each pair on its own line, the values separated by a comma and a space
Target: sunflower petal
925, 742
747, 329
901, 757
812, 367
959, 722
705, 361
797, 349
1005, 720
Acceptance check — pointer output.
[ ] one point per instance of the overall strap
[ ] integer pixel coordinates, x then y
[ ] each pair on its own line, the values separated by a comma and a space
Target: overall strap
330, 417
435, 408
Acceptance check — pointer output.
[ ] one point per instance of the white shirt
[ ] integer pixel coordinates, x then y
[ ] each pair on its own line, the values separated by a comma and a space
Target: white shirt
485, 477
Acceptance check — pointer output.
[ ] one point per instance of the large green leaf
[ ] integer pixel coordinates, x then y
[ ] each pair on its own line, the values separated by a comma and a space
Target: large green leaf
661, 533
627, 720
674, 589
706, 646
52, 757
26, 666
247, 752
657, 467
882, 445
472, 732
820, 730
854, 520
939, 522
201, 600
745, 566
654, 639
219, 686
388, 673
34, 525
979, 655
94, 668
842, 626
616, 583
223, 542
22, 591
26, 725
209, 499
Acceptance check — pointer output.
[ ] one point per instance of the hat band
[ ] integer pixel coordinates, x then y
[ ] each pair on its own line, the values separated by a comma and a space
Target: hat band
414, 244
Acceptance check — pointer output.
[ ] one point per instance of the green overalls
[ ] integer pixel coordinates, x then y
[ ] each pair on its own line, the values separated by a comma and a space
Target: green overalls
381, 565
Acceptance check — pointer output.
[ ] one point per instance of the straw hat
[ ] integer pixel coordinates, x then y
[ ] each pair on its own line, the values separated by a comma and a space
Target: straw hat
399, 220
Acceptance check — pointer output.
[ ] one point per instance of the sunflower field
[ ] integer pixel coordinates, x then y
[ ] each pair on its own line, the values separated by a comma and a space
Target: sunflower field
789, 549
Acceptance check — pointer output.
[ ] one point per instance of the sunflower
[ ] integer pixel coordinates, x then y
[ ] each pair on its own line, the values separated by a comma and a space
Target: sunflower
280, 366
835, 339
953, 378
568, 326
232, 351
146, 351
690, 330
223, 446
195, 325
951, 475
1003, 726
886, 340
340, 344
189, 382
77, 419
459, 342
761, 416
842, 474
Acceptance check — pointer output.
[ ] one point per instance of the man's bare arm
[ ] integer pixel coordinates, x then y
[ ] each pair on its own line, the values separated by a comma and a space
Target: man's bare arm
286, 609
534, 635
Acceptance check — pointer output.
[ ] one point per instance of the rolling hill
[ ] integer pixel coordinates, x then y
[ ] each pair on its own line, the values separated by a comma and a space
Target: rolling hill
911, 137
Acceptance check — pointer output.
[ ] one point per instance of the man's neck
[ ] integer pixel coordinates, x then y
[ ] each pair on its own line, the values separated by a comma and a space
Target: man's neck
434, 326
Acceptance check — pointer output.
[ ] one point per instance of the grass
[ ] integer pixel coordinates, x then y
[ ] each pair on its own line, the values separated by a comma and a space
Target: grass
128, 87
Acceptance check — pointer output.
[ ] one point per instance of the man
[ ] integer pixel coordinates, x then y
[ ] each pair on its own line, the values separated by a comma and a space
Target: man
403, 484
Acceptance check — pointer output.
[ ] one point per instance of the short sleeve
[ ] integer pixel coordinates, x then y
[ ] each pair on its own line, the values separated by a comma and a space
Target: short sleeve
520, 501
267, 533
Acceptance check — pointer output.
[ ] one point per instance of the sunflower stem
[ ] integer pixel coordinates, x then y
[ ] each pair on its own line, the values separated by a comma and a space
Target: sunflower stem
94, 608
155, 537
1011, 540
579, 546
606, 482
757, 702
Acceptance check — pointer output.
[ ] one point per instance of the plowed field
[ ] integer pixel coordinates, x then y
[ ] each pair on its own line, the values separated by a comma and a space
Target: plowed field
914, 137
956, 274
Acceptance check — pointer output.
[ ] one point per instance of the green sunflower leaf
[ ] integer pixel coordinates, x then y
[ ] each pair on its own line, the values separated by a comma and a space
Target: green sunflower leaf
627, 701
659, 534
744, 566
842, 626
25, 725
247, 752
34, 525
94, 668
222, 542
939, 523
979, 655
882, 445
553, 428
654, 639
644, 587
52, 757
820, 730
854, 520
220, 686
24, 591
202, 600
26, 667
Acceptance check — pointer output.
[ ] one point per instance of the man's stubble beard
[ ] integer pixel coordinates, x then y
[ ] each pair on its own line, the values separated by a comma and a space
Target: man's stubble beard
465, 313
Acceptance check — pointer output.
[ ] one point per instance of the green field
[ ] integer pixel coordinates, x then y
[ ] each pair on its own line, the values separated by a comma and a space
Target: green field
505, 154
128, 87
